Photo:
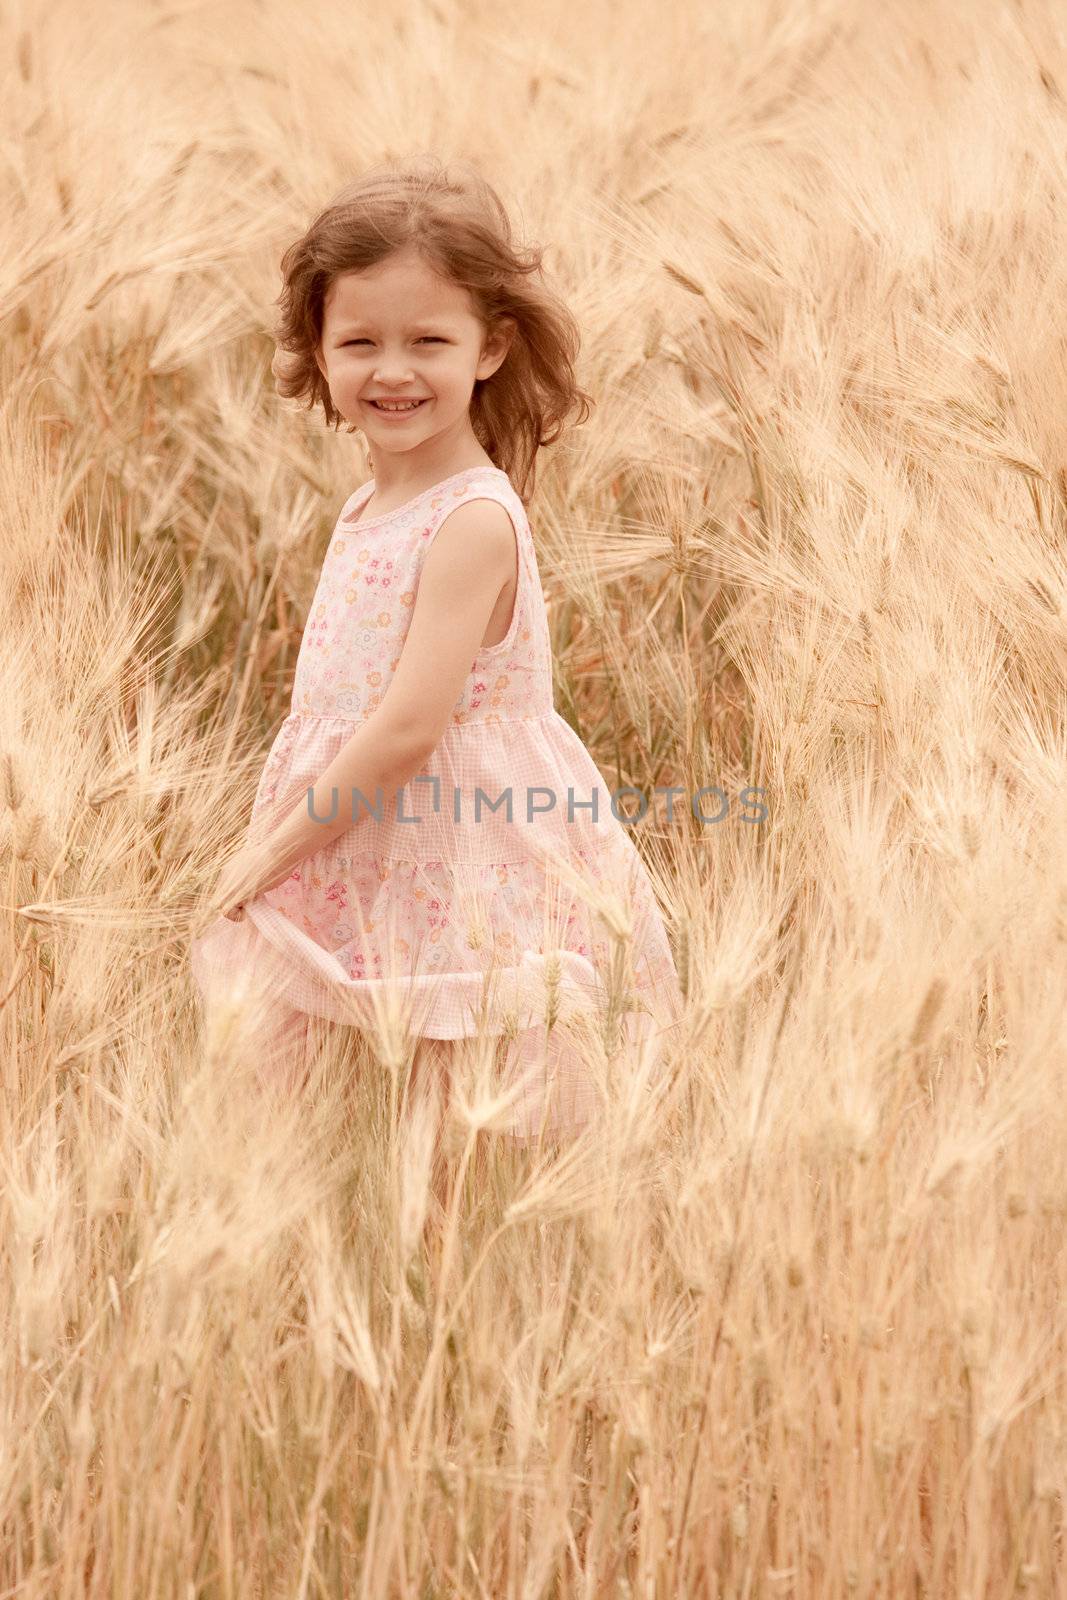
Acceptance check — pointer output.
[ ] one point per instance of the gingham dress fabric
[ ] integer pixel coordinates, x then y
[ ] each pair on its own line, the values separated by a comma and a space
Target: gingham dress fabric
468, 917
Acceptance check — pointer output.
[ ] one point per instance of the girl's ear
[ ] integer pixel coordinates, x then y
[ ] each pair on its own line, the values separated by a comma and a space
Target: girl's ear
497, 346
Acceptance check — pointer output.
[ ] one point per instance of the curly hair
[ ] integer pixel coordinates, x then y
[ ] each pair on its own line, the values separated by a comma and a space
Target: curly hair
458, 224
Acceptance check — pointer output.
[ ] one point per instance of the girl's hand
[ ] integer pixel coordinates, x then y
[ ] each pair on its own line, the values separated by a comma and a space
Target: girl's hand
238, 882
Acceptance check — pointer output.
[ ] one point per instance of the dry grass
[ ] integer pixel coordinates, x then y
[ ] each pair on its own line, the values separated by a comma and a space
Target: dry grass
797, 1330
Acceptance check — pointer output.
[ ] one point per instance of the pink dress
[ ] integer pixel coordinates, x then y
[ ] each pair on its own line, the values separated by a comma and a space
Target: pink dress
468, 912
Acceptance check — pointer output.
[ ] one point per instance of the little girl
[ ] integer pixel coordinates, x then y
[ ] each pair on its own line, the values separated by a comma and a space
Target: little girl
427, 826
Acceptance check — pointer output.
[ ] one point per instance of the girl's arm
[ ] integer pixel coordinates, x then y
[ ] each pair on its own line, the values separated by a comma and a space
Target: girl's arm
470, 560
378, 756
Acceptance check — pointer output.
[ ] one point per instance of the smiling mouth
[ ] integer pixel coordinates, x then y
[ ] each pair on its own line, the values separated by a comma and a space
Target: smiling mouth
396, 411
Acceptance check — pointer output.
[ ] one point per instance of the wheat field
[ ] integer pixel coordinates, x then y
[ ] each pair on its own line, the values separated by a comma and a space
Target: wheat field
791, 1323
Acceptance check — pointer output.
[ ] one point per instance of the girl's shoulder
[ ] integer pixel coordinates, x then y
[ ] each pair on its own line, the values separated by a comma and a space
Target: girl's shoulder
354, 498
477, 483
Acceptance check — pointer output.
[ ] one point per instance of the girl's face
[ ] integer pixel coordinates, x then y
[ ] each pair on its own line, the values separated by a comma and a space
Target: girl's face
398, 331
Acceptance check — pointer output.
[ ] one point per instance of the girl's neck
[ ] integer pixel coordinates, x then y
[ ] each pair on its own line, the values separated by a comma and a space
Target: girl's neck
399, 478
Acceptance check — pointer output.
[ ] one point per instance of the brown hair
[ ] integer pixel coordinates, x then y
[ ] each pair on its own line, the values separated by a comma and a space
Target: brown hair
456, 221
